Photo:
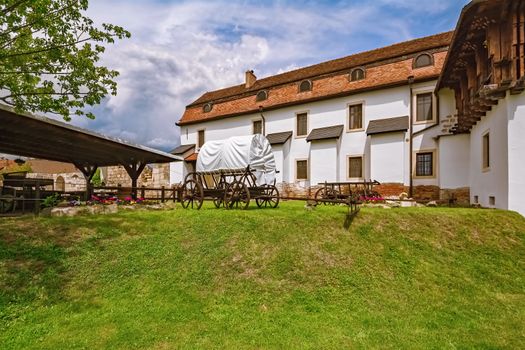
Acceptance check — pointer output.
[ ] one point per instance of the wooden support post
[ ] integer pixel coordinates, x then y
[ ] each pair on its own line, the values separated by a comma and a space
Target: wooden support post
143, 191
162, 194
37, 198
88, 171
134, 170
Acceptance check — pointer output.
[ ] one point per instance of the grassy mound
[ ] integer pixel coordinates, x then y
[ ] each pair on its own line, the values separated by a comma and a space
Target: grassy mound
284, 278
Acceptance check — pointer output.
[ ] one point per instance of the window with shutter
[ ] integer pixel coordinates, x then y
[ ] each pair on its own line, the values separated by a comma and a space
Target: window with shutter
257, 127
424, 108
200, 138
357, 74
486, 151
423, 60
302, 124
301, 170
355, 114
355, 167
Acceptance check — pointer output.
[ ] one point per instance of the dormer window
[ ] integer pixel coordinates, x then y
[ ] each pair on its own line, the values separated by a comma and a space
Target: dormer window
305, 85
423, 60
262, 95
207, 107
357, 74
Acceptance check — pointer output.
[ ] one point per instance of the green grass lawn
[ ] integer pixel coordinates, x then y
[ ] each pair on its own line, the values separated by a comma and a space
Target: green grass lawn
283, 278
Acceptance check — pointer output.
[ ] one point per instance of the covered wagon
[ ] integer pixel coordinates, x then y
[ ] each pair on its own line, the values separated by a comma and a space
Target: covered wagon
232, 172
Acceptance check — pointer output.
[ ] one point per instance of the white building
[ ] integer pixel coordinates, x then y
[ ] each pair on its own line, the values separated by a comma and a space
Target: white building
437, 117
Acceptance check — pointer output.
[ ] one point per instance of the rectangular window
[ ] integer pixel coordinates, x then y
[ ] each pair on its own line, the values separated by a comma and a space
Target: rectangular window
424, 107
257, 127
302, 124
200, 138
425, 164
476, 199
355, 167
302, 170
486, 151
355, 114
492, 200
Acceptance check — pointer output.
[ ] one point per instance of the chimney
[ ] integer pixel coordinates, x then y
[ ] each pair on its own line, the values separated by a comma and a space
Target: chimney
250, 79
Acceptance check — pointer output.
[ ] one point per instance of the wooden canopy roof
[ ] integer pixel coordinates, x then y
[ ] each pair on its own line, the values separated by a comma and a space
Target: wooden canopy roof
40, 137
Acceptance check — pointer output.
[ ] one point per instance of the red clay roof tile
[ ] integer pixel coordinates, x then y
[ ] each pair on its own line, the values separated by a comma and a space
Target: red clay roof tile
283, 89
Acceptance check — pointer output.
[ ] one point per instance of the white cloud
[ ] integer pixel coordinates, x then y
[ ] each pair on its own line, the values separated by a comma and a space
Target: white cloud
180, 50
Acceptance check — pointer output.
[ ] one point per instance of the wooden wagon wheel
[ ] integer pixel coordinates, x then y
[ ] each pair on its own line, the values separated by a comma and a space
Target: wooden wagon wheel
219, 201
326, 193
192, 194
270, 198
237, 195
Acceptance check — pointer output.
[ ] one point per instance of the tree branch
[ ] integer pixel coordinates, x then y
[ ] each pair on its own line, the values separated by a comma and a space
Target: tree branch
12, 7
56, 12
45, 49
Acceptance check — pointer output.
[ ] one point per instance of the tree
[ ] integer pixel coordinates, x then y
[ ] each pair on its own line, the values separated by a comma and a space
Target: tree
49, 52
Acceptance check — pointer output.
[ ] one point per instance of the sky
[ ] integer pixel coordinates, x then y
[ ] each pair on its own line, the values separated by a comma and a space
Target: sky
181, 49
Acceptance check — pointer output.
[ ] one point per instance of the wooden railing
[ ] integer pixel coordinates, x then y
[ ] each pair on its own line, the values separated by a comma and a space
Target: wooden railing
161, 194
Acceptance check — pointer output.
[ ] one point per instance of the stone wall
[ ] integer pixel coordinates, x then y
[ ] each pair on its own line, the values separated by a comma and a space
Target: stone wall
460, 195
391, 190
154, 175
388, 191
72, 182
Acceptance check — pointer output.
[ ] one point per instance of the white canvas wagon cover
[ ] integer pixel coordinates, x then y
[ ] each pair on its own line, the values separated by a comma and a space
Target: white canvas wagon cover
237, 153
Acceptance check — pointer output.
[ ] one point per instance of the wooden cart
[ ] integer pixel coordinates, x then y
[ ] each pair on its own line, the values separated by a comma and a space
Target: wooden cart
332, 192
227, 188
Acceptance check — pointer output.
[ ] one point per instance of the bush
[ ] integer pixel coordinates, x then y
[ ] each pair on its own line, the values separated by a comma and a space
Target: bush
51, 201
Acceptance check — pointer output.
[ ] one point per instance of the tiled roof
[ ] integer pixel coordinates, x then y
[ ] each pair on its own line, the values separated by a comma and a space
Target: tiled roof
182, 149
279, 138
331, 132
387, 125
192, 157
385, 67
356, 60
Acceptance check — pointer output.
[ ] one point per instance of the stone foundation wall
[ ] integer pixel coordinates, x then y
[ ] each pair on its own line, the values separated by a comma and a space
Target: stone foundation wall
391, 190
460, 195
388, 191
154, 175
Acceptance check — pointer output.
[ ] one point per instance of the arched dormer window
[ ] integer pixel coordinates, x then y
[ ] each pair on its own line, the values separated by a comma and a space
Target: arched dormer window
423, 60
207, 107
357, 74
305, 85
261, 95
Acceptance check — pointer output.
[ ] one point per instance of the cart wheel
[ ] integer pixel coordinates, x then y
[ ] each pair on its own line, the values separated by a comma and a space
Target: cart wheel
326, 193
237, 195
218, 202
270, 198
192, 195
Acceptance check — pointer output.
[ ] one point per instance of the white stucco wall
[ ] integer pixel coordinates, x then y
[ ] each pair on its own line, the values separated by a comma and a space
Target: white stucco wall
516, 153
493, 182
178, 172
279, 160
387, 157
379, 104
454, 155
323, 159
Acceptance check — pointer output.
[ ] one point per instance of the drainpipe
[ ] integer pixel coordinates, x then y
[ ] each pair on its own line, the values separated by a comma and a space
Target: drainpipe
263, 120
411, 142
